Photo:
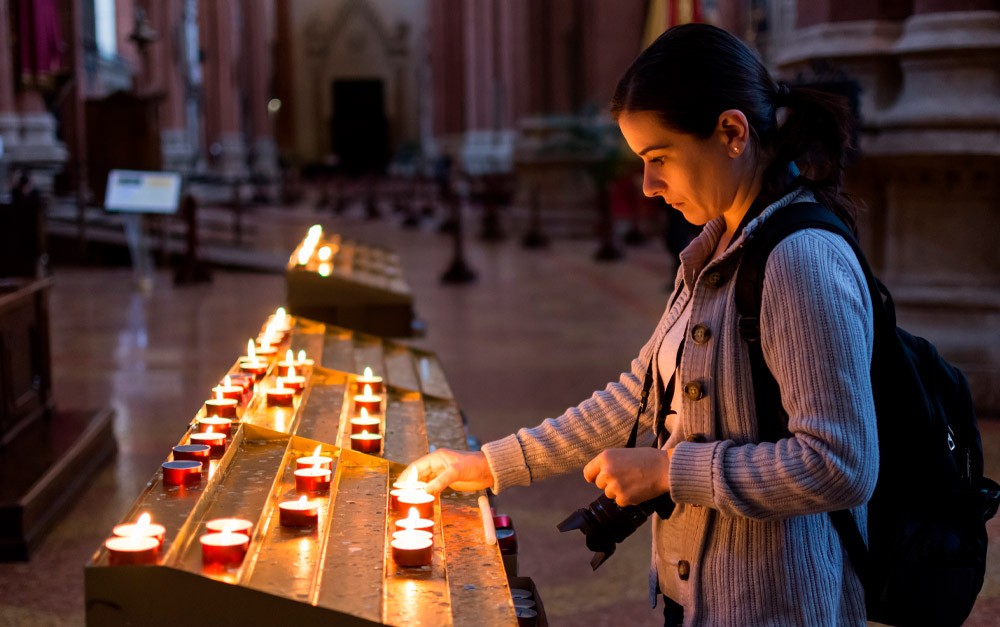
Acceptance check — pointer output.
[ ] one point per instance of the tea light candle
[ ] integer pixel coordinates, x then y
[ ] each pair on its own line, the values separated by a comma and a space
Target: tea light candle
265, 350
192, 452
223, 549
406, 482
370, 381
300, 513
302, 360
132, 550
417, 499
412, 550
365, 423
246, 381
286, 363
369, 401
413, 522
215, 424
316, 460
181, 472
232, 525
217, 441
294, 381
365, 442
312, 479
230, 391
251, 364
280, 320
143, 527
280, 396
411, 533
221, 406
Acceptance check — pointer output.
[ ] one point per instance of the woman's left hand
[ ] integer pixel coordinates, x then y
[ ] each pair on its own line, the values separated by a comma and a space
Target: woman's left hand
630, 475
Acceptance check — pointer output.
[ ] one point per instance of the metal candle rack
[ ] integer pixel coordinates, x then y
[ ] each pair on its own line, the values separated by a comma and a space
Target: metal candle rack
340, 571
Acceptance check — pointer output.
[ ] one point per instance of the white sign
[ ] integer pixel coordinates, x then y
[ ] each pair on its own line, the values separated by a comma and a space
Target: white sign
143, 192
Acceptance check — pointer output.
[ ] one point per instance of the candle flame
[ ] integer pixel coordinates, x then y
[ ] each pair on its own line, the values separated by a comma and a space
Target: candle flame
302, 356
141, 524
368, 372
251, 353
302, 499
364, 413
291, 371
288, 356
280, 313
364, 434
368, 390
409, 475
228, 381
414, 515
209, 428
218, 394
281, 384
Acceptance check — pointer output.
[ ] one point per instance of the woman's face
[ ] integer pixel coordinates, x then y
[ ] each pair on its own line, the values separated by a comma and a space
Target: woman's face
698, 177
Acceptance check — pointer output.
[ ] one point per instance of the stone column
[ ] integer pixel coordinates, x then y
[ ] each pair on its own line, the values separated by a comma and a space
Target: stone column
38, 131
220, 23
10, 122
258, 54
166, 79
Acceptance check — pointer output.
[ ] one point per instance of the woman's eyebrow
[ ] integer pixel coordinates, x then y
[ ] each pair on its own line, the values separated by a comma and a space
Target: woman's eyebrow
649, 148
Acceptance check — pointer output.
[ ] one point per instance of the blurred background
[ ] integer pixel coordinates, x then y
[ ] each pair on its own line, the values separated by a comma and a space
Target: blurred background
472, 137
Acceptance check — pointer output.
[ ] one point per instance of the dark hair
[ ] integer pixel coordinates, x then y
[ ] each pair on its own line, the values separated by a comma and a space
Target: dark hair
694, 72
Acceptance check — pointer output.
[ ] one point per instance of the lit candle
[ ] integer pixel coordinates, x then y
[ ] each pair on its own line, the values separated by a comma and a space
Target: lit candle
228, 390
407, 482
217, 441
413, 521
132, 550
220, 406
265, 349
365, 442
280, 396
371, 402
294, 381
142, 527
181, 472
324, 254
412, 549
233, 525
286, 363
365, 423
316, 460
215, 424
418, 499
302, 360
314, 479
370, 381
246, 381
251, 364
224, 549
300, 513
192, 452
280, 320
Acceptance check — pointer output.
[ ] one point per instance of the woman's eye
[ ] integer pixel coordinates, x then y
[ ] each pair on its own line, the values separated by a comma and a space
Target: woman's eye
657, 160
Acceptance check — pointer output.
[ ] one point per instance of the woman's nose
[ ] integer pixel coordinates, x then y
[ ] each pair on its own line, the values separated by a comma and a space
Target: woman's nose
652, 185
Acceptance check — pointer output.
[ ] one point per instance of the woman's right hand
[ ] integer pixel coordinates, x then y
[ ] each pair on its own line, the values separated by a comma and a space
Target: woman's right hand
460, 470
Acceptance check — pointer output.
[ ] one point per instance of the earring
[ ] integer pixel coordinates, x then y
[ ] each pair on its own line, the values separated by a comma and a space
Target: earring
736, 150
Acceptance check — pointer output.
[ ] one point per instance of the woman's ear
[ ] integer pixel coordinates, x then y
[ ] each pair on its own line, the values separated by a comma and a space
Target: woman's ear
733, 131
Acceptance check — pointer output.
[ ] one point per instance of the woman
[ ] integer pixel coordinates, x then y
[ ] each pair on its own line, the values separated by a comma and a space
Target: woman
749, 541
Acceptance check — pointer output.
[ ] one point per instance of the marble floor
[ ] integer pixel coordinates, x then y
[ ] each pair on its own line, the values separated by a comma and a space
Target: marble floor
538, 332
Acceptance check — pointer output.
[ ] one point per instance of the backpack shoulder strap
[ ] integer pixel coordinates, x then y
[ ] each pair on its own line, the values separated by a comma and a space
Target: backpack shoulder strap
749, 289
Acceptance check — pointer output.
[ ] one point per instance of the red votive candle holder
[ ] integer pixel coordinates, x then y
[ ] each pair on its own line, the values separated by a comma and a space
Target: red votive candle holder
300, 513
312, 479
412, 550
418, 499
192, 452
222, 407
374, 383
365, 423
215, 424
413, 533
256, 368
142, 528
265, 351
295, 382
181, 472
230, 391
232, 525
413, 522
368, 401
370, 443
217, 441
223, 549
245, 381
314, 461
280, 397
132, 550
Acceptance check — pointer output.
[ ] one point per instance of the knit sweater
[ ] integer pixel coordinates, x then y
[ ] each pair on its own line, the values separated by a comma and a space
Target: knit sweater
749, 542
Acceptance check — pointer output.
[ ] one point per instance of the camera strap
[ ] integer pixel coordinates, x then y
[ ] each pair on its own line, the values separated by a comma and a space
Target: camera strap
664, 410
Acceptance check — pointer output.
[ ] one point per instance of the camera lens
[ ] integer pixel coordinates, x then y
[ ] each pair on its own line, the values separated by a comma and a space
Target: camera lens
605, 524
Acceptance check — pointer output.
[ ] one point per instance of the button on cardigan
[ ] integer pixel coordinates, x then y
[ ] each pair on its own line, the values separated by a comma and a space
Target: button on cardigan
751, 522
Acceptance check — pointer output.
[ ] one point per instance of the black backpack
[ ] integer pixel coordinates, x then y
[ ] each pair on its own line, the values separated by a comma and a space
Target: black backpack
926, 554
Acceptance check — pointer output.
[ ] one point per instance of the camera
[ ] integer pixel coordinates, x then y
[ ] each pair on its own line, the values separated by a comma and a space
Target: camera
605, 524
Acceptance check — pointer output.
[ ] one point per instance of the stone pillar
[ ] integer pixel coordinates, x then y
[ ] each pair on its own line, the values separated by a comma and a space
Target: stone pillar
258, 53
38, 131
10, 122
220, 23
166, 79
